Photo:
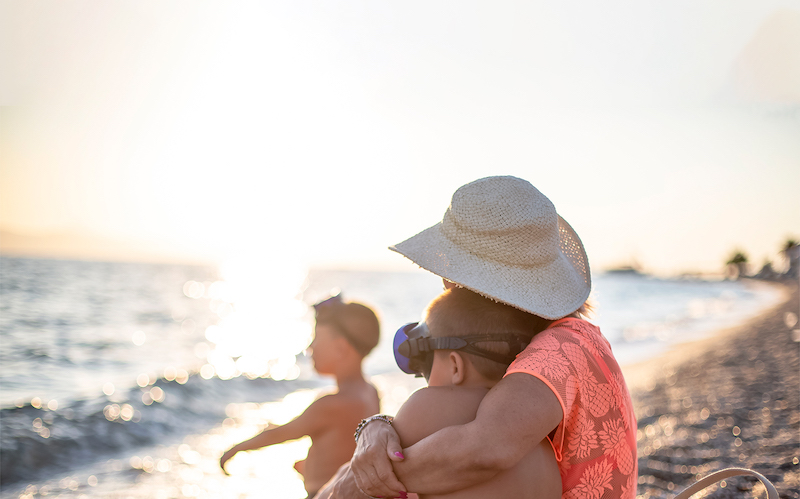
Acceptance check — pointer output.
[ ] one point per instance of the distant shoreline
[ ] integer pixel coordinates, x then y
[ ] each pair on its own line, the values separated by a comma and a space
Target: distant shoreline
69, 246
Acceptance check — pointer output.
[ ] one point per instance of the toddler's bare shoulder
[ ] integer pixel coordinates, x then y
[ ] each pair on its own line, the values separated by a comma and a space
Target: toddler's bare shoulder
430, 409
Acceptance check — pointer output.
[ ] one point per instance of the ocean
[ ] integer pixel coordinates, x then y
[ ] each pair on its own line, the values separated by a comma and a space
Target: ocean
130, 379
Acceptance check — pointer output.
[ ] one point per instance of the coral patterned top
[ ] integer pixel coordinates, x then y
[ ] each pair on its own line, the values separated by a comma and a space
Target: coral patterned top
595, 443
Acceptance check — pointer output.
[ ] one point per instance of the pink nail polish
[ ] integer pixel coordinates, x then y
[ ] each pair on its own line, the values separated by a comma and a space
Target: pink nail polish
400, 455
403, 495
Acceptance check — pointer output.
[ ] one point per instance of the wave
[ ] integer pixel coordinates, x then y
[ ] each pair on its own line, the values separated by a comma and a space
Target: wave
37, 441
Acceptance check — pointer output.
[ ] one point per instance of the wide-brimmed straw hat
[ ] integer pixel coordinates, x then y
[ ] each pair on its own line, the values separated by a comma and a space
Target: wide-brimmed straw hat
503, 239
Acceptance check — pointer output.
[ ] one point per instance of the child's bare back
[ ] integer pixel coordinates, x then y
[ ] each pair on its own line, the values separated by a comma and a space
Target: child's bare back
335, 417
430, 409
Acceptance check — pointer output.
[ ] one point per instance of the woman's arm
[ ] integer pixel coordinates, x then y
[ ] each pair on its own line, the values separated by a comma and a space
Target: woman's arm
517, 414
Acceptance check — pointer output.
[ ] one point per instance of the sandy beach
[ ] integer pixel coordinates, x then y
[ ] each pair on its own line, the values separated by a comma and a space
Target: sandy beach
732, 400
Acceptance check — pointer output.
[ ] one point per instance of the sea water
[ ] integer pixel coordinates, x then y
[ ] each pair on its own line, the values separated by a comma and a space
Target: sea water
128, 379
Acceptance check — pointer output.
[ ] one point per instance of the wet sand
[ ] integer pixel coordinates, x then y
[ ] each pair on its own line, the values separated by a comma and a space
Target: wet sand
732, 400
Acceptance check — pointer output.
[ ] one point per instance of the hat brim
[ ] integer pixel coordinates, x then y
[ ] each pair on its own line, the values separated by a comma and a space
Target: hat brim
552, 290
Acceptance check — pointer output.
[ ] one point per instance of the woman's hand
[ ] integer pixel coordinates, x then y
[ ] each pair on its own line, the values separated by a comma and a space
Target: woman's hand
371, 465
337, 486
344, 487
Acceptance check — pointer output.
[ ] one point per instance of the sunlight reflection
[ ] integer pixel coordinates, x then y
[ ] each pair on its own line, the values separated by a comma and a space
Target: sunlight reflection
126, 412
262, 323
138, 338
164, 465
248, 470
111, 412
157, 394
224, 366
207, 371
188, 455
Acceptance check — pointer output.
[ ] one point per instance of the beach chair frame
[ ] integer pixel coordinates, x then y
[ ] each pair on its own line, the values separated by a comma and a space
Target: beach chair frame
720, 475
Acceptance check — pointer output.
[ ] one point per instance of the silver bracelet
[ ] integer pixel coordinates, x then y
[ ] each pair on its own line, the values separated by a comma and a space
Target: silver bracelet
364, 422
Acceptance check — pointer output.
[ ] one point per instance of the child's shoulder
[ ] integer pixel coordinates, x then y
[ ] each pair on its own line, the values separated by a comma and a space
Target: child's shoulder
435, 407
443, 395
353, 400
433, 399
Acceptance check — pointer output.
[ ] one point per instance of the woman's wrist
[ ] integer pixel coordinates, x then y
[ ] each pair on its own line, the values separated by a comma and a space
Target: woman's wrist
364, 422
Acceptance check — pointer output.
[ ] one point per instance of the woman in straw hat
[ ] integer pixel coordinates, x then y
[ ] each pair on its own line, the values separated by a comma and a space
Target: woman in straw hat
503, 239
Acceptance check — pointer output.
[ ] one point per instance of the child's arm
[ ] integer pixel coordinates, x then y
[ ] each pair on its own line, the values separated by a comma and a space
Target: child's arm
430, 409
307, 423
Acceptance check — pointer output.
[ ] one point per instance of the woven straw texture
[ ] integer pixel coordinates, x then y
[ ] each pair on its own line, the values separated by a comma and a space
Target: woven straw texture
503, 239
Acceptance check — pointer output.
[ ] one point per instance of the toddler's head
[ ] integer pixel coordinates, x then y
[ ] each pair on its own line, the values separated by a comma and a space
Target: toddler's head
461, 312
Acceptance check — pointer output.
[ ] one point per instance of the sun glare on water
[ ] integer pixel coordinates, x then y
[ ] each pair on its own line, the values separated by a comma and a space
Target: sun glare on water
262, 326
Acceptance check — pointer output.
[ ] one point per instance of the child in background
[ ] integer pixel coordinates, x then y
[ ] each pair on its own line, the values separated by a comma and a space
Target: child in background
343, 335
458, 379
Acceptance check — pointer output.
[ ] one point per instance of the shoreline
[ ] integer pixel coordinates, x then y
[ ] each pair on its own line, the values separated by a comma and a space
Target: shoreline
728, 400
642, 374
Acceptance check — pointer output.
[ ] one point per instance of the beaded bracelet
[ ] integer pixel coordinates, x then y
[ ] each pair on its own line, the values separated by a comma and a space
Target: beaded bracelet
365, 422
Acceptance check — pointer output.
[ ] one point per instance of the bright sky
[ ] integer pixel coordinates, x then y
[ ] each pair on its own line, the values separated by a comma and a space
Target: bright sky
322, 132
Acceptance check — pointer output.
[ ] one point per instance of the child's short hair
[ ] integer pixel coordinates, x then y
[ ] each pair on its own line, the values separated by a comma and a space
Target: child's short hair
461, 312
355, 322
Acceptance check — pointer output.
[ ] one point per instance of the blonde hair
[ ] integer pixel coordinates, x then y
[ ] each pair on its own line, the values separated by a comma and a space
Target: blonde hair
586, 310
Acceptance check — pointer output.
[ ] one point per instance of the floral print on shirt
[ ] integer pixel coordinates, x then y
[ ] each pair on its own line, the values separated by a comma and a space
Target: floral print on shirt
595, 443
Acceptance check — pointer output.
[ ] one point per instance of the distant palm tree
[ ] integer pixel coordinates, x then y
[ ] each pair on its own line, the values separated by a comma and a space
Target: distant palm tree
791, 251
737, 264
766, 272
